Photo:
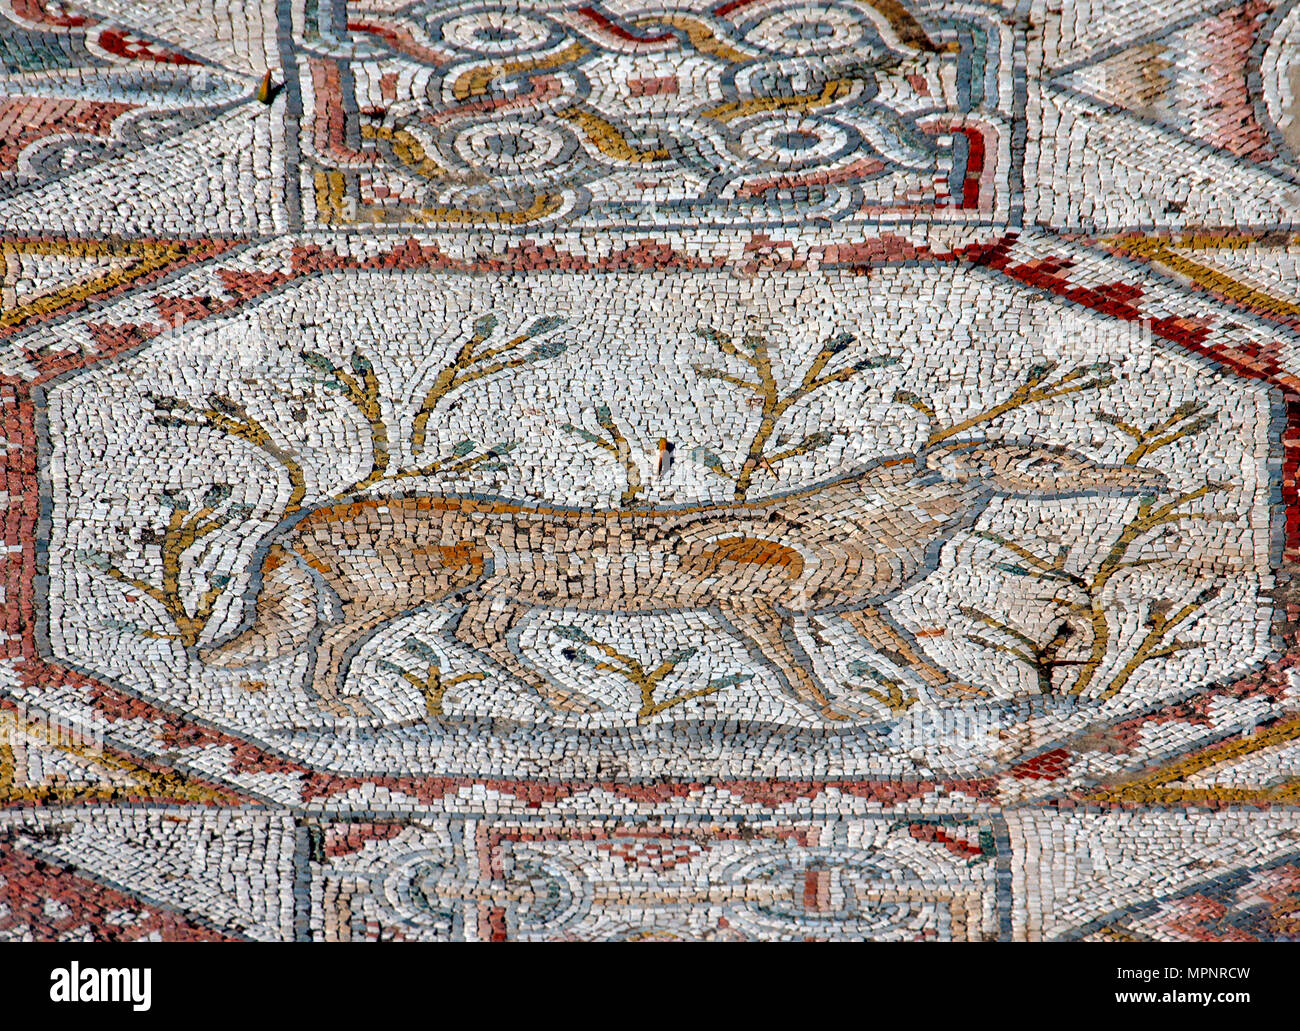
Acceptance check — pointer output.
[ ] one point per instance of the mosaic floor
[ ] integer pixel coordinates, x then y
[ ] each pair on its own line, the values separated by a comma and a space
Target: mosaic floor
647, 470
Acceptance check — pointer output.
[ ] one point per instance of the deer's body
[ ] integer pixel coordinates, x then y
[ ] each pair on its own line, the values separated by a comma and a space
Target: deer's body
843, 548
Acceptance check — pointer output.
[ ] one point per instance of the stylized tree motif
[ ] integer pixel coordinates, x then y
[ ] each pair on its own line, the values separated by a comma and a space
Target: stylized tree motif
186, 528
1083, 594
1188, 419
893, 696
360, 387
760, 379
1041, 656
357, 381
231, 418
430, 683
617, 445
646, 682
362, 392
472, 364
1038, 387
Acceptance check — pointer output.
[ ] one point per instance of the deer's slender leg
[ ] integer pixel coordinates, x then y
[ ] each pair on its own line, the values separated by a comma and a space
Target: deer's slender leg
333, 658
768, 635
484, 626
879, 632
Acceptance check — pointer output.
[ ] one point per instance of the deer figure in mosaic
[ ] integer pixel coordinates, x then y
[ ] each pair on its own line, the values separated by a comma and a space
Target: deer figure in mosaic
332, 575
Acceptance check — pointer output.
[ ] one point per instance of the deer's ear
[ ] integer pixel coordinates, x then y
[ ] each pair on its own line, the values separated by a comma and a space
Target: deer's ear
955, 466
1037, 467
1038, 470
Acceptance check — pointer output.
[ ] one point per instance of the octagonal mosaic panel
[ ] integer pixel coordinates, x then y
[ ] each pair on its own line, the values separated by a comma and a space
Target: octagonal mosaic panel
843, 494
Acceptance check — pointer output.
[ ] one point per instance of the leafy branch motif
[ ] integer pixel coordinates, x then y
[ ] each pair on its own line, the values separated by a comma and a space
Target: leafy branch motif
231, 418
616, 443
185, 529
472, 362
1188, 419
759, 378
361, 388
1084, 595
892, 696
1037, 388
361, 391
646, 682
430, 683
1043, 657
357, 381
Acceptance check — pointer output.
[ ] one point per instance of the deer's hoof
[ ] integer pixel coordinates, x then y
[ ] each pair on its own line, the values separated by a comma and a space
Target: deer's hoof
347, 707
565, 701
956, 690
839, 712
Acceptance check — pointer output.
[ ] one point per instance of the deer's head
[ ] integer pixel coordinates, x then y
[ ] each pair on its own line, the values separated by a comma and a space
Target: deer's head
1037, 470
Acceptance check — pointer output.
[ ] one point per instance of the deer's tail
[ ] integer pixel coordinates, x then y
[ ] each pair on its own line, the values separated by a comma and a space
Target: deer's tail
287, 611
